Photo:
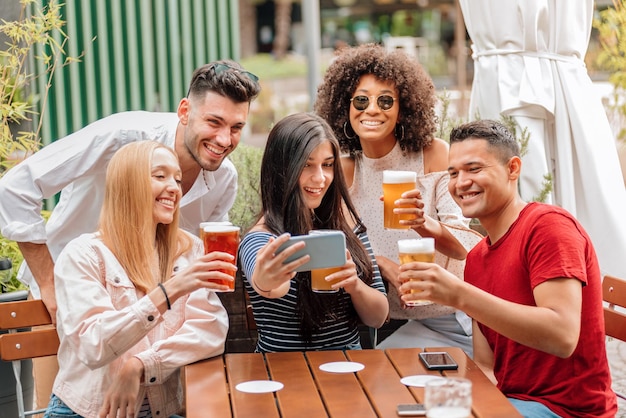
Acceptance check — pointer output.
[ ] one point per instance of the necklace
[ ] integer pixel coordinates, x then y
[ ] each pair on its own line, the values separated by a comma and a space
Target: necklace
204, 178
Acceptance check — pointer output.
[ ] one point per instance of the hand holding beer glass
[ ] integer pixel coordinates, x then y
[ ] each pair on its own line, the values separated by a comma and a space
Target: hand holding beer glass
224, 238
394, 184
318, 276
417, 249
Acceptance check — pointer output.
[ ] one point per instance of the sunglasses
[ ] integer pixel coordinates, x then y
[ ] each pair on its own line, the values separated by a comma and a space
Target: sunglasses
384, 102
219, 68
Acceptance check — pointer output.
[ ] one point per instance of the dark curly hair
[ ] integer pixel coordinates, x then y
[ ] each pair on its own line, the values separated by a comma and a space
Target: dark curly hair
415, 87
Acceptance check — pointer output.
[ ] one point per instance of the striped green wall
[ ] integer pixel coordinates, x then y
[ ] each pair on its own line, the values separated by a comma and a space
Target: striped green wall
136, 54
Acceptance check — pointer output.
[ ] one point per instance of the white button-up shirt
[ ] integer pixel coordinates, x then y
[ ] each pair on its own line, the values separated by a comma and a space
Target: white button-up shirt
76, 167
103, 320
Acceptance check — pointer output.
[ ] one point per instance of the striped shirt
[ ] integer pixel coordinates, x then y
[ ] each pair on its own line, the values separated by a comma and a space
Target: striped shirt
277, 319
144, 411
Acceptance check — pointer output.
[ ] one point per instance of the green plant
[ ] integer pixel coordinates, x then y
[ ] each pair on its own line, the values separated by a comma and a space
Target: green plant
447, 122
36, 36
247, 206
611, 25
10, 250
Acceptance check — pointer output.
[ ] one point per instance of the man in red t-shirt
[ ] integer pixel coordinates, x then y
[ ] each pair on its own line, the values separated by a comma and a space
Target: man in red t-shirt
532, 286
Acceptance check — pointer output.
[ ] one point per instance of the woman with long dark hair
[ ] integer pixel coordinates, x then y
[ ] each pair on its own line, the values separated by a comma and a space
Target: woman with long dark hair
303, 189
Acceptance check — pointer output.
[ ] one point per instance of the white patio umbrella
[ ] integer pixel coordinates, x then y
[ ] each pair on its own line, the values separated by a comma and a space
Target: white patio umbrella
528, 63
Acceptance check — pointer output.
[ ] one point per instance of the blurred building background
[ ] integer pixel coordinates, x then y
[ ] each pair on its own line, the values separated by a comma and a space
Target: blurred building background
139, 54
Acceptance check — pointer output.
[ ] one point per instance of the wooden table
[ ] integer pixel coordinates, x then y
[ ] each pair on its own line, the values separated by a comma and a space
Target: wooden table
309, 392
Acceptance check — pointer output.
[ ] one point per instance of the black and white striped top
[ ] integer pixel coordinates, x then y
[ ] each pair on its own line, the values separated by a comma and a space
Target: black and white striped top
276, 319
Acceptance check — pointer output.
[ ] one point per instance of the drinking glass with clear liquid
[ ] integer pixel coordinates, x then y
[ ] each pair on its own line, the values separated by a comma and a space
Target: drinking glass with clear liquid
394, 184
448, 398
416, 249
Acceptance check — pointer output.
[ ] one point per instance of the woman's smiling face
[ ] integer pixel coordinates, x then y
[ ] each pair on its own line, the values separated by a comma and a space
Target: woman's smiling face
373, 125
165, 180
317, 175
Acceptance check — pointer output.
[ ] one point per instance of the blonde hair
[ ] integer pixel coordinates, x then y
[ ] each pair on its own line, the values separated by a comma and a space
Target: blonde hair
126, 220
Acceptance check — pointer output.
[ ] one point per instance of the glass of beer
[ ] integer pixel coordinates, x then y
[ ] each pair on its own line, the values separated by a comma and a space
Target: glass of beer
318, 276
203, 224
318, 280
224, 238
394, 184
417, 249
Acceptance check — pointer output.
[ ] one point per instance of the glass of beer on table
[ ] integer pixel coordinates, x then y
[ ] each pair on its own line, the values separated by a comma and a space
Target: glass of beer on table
218, 236
417, 249
448, 398
394, 184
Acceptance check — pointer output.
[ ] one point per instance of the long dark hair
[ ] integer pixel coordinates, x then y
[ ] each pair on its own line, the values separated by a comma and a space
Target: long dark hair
289, 145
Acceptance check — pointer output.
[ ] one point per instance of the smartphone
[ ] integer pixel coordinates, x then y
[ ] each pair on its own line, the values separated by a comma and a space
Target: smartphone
326, 249
411, 410
438, 360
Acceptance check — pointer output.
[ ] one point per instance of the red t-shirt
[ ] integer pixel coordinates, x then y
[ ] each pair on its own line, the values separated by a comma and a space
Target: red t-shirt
544, 243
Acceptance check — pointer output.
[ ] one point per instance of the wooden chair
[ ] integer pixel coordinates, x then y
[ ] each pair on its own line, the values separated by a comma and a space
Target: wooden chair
614, 293
21, 342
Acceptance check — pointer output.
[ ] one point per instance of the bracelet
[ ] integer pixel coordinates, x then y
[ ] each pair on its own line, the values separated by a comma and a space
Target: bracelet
167, 299
262, 290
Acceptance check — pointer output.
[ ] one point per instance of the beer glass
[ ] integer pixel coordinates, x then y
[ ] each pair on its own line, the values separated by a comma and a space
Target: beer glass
417, 249
318, 276
394, 184
203, 224
224, 238
318, 280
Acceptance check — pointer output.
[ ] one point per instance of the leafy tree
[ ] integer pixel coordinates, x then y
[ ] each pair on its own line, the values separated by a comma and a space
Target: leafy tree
37, 36
611, 25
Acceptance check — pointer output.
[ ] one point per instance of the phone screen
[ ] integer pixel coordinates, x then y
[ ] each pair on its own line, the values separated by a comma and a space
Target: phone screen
438, 361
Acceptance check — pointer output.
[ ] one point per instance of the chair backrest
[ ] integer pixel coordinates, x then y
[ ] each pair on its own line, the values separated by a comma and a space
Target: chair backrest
614, 292
26, 343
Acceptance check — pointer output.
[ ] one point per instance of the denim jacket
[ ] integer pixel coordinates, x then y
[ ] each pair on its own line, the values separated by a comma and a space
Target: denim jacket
102, 320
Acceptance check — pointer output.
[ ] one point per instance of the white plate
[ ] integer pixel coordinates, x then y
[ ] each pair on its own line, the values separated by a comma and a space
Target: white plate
419, 380
342, 367
259, 386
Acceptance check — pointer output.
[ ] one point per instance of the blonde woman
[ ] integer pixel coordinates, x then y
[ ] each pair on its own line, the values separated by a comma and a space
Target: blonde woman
134, 300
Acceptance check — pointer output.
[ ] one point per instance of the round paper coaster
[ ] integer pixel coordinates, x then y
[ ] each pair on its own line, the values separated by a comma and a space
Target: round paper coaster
259, 386
419, 380
342, 367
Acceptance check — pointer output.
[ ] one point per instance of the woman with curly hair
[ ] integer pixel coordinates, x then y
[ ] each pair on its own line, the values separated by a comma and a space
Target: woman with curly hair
381, 106
302, 190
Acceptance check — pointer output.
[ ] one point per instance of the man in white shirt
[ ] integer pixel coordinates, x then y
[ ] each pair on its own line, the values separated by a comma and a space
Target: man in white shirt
206, 128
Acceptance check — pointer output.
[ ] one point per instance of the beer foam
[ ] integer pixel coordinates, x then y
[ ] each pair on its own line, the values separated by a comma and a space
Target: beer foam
211, 223
219, 227
417, 245
395, 177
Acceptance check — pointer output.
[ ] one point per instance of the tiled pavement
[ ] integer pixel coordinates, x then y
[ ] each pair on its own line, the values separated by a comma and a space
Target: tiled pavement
616, 351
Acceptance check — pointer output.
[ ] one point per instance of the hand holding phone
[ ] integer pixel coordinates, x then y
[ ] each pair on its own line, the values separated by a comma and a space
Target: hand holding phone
411, 410
438, 360
326, 250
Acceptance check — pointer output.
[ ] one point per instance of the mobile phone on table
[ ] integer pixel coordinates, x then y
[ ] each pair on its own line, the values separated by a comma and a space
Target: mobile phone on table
411, 410
438, 360
327, 249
